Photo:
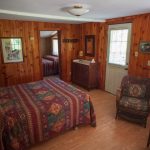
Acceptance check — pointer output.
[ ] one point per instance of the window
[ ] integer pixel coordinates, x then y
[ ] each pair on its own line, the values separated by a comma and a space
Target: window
15, 44
55, 47
119, 44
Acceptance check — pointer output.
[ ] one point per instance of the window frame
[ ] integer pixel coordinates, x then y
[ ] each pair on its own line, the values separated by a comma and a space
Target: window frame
120, 27
54, 38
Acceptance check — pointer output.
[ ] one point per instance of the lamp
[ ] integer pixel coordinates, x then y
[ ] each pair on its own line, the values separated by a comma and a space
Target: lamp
77, 10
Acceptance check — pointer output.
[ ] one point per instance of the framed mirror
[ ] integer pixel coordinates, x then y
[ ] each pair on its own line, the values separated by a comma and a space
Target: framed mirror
90, 45
12, 49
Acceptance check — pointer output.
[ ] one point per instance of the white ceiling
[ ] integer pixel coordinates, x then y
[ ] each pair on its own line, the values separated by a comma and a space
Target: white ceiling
53, 10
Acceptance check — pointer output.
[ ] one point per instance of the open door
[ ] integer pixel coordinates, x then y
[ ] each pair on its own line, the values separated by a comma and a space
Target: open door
50, 53
119, 37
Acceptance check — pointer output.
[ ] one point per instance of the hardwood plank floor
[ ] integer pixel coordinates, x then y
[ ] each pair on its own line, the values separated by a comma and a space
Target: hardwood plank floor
110, 134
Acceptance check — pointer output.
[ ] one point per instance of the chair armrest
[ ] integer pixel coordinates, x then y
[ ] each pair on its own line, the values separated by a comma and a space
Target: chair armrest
118, 94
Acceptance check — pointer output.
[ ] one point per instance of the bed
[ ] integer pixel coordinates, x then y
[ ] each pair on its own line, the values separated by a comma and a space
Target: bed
34, 112
48, 67
55, 60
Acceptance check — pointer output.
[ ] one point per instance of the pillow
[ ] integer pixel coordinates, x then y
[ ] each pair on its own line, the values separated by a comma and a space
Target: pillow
135, 90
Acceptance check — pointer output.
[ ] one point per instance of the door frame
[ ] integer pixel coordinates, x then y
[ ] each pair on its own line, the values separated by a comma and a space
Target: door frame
117, 27
59, 51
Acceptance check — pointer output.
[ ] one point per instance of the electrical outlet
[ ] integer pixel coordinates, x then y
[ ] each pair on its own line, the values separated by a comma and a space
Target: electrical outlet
148, 63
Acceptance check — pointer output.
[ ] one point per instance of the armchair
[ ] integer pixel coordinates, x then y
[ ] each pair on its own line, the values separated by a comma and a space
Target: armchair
132, 99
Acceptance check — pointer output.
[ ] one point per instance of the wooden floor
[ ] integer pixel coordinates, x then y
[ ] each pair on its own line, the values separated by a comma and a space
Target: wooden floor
110, 134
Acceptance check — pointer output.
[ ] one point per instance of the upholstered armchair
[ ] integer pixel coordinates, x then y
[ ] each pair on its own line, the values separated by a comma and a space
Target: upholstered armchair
132, 99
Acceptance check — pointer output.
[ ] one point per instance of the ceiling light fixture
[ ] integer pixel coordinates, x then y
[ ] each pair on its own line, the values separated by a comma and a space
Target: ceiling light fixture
77, 10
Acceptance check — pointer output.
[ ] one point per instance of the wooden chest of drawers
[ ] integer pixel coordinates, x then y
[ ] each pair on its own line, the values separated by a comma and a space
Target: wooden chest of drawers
85, 74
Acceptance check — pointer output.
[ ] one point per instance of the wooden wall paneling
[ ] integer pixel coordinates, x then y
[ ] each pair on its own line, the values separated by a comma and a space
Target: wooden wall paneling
67, 53
30, 69
126, 19
102, 53
140, 32
142, 57
72, 47
36, 53
63, 56
67, 50
138, 66
134, 46
100, 32
89, 29
9, 70
145, 34
20, 33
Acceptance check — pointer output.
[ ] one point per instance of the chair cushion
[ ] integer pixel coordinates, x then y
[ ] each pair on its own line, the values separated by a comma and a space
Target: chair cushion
134, 103
135, 90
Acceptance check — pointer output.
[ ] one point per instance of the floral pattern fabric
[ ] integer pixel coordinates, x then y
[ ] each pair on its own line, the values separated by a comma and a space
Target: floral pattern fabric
134, 103
55, 60
135, 90
140, 86
48, 67
37, 111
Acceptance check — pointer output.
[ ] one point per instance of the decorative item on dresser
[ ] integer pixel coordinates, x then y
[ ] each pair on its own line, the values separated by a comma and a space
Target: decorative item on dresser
84, 73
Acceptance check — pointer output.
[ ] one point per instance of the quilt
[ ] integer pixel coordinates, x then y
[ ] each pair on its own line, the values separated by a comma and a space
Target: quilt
34, 112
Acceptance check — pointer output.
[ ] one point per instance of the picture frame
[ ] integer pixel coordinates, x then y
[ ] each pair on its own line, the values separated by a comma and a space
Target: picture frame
145, 46
90, 45
12, 49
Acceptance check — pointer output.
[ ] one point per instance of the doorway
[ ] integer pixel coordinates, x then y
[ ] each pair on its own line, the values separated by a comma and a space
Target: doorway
50, 53
119, 37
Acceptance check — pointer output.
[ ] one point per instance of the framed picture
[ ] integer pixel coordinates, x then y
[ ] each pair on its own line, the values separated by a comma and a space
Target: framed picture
12, 50
145, 47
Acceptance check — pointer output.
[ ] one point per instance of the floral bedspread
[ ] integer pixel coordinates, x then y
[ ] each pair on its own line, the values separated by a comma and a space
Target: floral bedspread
55, 60
48, 67
37, 111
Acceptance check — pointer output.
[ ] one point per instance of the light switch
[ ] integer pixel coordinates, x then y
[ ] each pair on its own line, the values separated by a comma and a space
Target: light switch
31, 38
136, 54
148, 63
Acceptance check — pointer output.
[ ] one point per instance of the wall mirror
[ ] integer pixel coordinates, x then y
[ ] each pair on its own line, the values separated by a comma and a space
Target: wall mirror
12, 50
90, 45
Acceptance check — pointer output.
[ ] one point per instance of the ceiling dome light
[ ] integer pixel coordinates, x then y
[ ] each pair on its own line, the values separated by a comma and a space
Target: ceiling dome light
77, 10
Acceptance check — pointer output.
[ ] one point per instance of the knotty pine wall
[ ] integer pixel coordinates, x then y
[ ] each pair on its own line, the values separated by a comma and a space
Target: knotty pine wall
100, 32
30, 69
140, 32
